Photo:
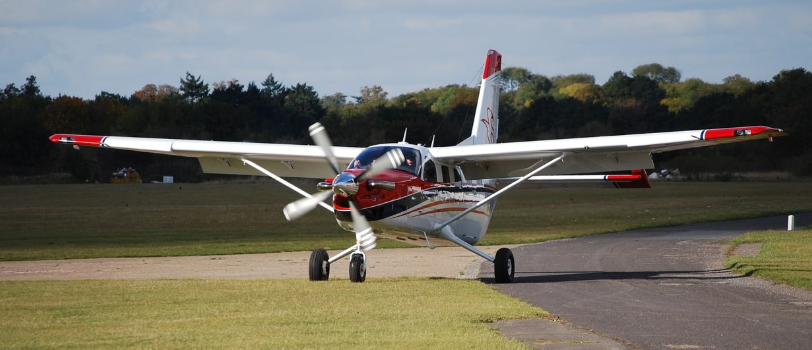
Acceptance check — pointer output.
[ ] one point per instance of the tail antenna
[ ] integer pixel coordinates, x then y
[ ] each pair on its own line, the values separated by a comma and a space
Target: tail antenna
432, 140
405, 130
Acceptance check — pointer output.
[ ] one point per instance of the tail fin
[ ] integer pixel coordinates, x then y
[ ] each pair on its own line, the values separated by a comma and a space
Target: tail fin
486, 120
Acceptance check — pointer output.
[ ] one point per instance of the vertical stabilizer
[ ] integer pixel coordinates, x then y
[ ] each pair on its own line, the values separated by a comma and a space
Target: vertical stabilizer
486, 120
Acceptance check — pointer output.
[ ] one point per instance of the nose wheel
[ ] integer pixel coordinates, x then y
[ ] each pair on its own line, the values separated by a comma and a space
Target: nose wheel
320, 265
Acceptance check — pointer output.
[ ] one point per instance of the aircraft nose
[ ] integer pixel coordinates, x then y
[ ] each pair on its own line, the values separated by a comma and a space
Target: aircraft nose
345, 185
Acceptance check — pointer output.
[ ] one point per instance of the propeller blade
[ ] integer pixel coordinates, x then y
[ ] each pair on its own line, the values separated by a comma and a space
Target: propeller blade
296, 209
319, 135
389, 160
363, 232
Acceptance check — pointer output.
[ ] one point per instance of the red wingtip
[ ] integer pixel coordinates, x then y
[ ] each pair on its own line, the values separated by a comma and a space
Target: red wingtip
493, 63
79, 140
743, 131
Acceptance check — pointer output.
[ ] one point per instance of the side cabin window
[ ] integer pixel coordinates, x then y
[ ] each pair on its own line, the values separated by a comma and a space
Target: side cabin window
366, 157
429, 171
446, 174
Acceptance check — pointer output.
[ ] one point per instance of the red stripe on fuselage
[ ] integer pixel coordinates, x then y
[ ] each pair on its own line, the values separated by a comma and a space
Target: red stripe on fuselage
433, 204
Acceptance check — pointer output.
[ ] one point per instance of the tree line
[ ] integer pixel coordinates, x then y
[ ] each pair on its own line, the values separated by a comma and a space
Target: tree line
651, 98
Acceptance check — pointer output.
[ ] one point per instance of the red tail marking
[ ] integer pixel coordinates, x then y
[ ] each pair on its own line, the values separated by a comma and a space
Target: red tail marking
493, 64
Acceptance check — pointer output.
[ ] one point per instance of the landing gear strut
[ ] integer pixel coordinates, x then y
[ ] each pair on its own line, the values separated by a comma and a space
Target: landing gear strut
319, 265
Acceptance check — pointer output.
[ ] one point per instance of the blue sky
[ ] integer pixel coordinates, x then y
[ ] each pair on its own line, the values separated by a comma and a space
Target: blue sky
81, 48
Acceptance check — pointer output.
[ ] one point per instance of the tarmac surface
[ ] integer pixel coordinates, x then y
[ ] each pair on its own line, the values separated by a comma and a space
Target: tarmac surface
655, 289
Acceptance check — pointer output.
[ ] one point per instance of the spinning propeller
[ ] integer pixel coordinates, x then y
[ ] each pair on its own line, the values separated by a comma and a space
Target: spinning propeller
345, 184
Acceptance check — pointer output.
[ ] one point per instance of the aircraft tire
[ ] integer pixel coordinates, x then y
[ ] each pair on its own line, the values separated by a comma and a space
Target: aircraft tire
319, 265
504, 266
358, 268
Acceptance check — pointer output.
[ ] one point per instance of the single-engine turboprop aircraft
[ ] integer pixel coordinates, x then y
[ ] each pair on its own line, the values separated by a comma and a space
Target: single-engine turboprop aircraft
422, 194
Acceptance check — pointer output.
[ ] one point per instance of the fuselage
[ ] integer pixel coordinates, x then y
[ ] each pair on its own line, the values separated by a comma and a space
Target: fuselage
407, 202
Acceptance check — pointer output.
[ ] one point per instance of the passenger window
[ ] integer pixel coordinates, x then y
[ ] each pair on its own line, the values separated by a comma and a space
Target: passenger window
446, 174
430, 172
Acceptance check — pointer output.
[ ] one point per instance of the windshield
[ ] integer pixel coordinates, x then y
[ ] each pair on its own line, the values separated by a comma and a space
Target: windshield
410, 165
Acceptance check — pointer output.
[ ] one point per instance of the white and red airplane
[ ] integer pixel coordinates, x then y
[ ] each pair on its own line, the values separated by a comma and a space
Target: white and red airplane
421, 194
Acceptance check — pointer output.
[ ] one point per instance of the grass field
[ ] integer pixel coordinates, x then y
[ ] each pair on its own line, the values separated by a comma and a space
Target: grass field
785, 257
77, 221
87, 221
258, 314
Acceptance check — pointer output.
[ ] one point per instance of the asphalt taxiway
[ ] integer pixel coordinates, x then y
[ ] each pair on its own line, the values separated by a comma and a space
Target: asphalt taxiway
662, 288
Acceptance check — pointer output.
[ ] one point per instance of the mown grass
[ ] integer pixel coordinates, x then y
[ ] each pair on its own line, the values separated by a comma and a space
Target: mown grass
785, 257
269, 314
90, 221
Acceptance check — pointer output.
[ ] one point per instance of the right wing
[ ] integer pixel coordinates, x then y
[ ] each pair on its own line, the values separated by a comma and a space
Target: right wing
219, 157
587, 155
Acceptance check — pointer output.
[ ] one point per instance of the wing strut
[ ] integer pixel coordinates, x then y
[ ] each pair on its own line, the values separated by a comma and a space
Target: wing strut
445, 231
498, 193
288, 184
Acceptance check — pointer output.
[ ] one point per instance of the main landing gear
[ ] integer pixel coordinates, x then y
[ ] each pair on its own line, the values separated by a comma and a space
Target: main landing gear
320, 265
504, 266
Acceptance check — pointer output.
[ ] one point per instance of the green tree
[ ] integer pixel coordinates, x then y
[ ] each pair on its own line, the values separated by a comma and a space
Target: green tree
302, 108
617, 88
737, 84
30, 88
658, 73
9, 92
681, 96
193, 89
538, 86
21, 128
334, 101
230, 92
514, 77
271, 88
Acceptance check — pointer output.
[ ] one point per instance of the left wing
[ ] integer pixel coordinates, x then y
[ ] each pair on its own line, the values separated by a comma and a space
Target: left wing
587, 155
218, 157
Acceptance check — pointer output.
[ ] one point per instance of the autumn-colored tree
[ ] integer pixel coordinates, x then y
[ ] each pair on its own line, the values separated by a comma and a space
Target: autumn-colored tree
371, 95
147, 93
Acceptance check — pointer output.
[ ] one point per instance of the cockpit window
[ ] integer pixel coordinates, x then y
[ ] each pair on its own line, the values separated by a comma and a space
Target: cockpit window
411, 165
